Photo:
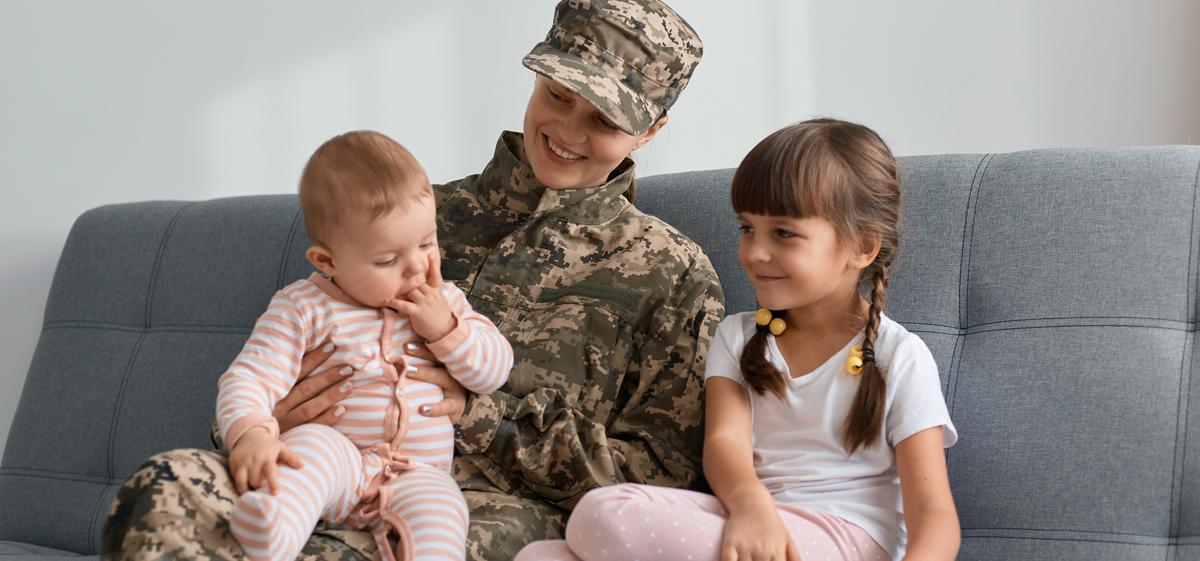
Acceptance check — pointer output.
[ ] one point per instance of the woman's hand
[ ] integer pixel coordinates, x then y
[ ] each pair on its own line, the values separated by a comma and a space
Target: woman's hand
455, 399
315, 399
757, 537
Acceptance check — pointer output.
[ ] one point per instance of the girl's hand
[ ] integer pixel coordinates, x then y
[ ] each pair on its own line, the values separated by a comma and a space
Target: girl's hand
252, 461
315, 399
757, 538
426, 306
454, 400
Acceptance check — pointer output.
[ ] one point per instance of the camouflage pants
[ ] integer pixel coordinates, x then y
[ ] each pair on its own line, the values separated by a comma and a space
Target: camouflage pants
177, 505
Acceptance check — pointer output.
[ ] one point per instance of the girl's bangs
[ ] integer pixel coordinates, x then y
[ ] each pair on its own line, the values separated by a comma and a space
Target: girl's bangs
784, 176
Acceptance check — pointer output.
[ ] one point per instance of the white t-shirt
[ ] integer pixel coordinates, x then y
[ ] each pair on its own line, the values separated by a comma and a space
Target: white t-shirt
798, 452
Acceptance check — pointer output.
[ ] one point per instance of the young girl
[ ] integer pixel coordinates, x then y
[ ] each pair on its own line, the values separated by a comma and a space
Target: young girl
825, 419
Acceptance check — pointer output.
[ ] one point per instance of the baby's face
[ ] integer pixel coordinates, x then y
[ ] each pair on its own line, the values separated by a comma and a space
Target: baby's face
387, 257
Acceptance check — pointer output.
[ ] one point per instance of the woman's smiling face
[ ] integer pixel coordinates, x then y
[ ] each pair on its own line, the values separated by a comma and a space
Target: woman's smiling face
571, 144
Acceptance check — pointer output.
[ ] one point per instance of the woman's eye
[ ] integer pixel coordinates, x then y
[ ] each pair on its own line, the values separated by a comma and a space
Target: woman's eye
555, 96
607, 124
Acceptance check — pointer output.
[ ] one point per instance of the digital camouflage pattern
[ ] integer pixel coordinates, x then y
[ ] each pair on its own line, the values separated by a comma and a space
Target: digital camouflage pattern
609, 312
177, 505
629, 58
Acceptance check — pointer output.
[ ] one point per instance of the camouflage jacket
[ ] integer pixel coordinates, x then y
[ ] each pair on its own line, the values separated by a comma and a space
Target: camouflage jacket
610, 313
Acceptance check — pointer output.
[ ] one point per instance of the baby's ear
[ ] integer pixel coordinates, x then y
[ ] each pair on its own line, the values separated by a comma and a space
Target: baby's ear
321, 258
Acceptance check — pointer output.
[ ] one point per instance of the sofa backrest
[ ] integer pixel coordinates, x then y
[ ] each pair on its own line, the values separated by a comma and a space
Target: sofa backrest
1058, 291
1056, 288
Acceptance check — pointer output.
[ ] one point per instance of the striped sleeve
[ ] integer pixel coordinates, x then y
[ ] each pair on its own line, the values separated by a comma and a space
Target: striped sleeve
263, 372
475, 353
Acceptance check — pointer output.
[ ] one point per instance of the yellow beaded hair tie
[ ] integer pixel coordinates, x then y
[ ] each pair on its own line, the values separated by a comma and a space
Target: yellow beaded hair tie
770, 321
859, 356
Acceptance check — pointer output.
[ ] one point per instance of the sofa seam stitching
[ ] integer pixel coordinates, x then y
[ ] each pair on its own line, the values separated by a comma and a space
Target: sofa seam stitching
120, 397
162, 245
1189, 350
64, 476
94, 539
287, 248
964, 264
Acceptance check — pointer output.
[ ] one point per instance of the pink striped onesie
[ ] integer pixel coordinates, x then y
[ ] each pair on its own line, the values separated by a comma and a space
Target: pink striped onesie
383, 466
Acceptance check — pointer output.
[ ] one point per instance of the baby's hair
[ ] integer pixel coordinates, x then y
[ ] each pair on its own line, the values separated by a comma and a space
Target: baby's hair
357, 172
844, 173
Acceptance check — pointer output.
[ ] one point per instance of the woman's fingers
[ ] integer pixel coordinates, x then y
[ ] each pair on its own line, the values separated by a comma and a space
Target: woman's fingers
420, 350
315, 358
314, 399
455, 395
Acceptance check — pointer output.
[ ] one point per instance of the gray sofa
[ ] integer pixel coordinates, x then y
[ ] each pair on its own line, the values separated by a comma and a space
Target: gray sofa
1057, 290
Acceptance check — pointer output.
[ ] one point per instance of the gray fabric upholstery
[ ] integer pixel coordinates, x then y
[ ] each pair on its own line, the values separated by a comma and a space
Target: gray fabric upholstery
1057, 290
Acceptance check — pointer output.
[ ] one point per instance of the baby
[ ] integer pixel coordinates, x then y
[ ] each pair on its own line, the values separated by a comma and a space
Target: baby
383, 466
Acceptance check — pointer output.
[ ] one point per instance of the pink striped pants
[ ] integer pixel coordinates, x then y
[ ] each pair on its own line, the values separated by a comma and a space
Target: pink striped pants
426, 517
649, 523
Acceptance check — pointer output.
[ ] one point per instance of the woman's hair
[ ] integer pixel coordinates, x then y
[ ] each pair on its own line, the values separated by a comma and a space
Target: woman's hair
353, 173
843, 173
631, 192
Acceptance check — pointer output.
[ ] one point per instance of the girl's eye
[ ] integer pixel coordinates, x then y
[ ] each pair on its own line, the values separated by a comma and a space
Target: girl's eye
746, 229
784, 234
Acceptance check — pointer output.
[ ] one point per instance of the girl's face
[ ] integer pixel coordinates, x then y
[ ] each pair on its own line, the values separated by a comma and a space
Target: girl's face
799, 263
570, 144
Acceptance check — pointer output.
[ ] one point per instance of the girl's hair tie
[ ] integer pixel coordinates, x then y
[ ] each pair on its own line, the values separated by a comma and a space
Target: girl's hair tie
770, 321
858, 357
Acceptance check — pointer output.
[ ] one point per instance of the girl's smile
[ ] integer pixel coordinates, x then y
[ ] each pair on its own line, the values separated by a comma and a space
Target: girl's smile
799, 264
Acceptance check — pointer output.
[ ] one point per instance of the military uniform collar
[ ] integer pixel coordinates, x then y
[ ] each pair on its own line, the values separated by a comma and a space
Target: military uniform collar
508, 183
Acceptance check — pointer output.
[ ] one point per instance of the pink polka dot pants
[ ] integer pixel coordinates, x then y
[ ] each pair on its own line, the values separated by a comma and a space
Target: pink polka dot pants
645, 523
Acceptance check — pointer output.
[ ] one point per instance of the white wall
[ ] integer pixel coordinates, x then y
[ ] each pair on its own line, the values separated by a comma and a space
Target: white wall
126, 101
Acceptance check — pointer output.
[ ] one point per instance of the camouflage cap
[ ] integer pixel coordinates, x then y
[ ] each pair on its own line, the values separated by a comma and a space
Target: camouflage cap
629, 58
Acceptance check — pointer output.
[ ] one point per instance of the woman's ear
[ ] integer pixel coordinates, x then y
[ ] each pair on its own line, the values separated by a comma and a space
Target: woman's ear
650, 132
321, 258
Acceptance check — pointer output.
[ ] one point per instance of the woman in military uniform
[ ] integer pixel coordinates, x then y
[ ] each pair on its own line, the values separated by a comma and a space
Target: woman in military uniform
609, 312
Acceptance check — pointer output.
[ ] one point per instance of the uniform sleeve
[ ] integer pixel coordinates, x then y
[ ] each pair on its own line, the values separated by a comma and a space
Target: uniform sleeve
474, 353
263, 372
561, 453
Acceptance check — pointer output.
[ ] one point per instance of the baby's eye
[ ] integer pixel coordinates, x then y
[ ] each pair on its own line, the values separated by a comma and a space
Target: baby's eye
387, 263
426, 245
